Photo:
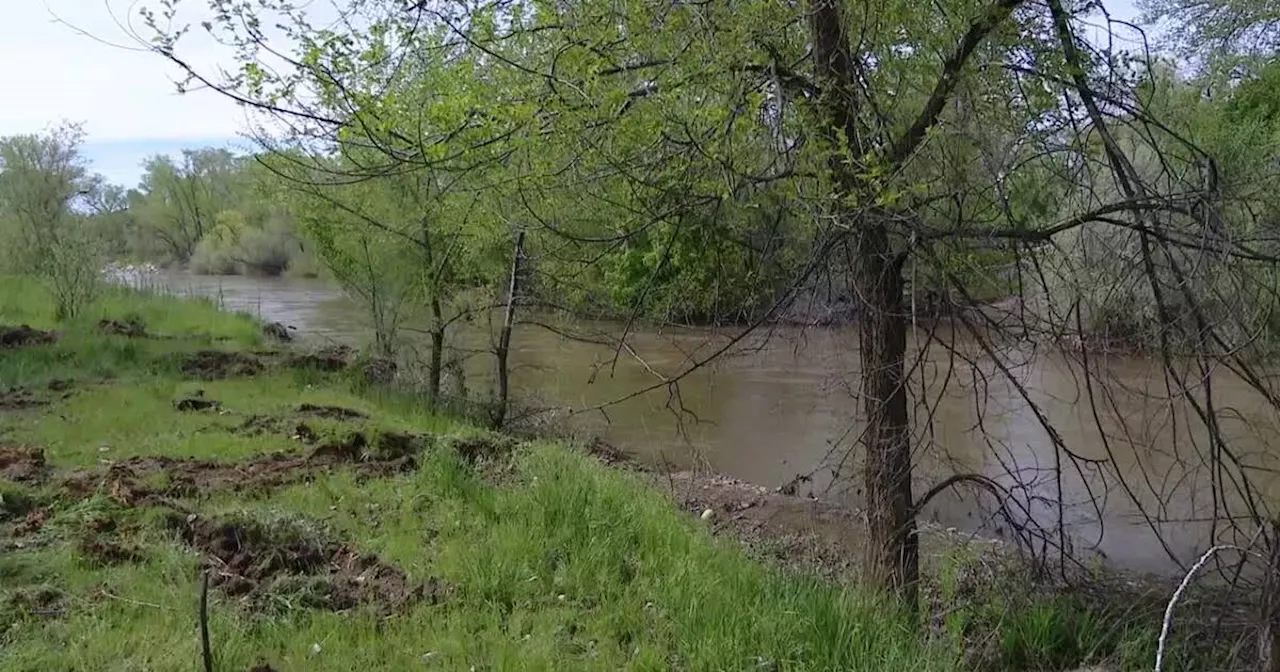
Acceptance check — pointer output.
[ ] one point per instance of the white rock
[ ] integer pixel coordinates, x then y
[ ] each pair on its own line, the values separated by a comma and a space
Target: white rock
707, 514
315, 648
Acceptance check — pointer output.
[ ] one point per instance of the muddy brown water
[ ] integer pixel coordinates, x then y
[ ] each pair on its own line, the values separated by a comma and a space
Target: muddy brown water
781, 405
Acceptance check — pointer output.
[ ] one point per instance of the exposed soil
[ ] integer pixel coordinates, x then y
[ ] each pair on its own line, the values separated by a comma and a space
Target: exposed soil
794, 531
607, 452
30, 523
20, 336
474, 449
139, 480
216, 364
131, 328
265, 565
104, 551
195, 404
277, 331
22, 464
19, 398
332, 358
332, 412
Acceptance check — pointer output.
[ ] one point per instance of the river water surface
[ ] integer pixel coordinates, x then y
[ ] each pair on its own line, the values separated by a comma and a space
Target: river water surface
782, 405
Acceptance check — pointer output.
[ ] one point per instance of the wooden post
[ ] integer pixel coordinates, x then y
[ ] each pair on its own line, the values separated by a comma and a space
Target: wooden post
205, 650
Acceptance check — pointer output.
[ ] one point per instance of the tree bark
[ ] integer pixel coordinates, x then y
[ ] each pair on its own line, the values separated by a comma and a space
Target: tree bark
892, 550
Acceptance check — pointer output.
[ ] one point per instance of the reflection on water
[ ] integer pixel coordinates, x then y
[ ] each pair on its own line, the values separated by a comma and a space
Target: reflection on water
782, 404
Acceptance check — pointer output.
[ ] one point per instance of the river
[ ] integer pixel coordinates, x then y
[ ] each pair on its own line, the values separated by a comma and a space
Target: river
782, 404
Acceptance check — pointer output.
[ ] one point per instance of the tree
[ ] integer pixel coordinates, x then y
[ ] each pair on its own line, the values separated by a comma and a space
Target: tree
43, 181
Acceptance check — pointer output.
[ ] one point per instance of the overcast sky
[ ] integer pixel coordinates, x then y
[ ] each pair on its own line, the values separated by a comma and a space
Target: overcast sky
126, 98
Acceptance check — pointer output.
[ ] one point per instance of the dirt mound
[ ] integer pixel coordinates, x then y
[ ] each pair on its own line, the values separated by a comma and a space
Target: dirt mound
215, 364
17, 337
139, 480
22, 464
261, 563
332, 358
332, 412
131, 327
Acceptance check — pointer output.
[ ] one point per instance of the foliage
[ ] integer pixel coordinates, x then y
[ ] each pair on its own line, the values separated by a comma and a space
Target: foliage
42, 178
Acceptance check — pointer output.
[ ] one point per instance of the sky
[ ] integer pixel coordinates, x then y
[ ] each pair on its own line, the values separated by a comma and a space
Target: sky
76, 60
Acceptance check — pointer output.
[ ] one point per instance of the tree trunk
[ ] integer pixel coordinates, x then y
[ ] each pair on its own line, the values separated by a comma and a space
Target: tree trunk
892, 550
437, 353
504, 339
1269, 632
892, 553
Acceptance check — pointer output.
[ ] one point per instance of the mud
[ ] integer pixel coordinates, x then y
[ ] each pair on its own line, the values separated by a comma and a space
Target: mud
140, 480
217, 364
22, 464
21, 336
295, 566
332, 412
131, 328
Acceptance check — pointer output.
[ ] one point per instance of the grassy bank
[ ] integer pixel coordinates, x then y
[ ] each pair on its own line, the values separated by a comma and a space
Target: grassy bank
342, 528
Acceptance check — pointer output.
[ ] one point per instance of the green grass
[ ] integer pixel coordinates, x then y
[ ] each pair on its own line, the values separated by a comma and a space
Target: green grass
554, 561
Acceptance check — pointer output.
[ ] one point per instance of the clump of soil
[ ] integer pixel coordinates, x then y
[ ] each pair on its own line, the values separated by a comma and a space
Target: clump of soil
215, 364
20, 336
380, 370
195, 404
31, 523
131, 327
332, 358
22, 464
102, 551
292, 563
332, 412
18, 398
477, 448
277, 331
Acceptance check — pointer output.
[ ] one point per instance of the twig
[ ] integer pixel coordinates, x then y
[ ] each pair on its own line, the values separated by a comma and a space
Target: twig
1177, 594
134, 602
204, 622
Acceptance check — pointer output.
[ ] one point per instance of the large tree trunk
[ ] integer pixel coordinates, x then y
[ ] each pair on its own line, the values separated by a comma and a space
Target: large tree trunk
892, 555
892, 551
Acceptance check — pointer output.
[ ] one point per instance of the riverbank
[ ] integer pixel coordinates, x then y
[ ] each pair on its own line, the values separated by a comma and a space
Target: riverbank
342, 527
